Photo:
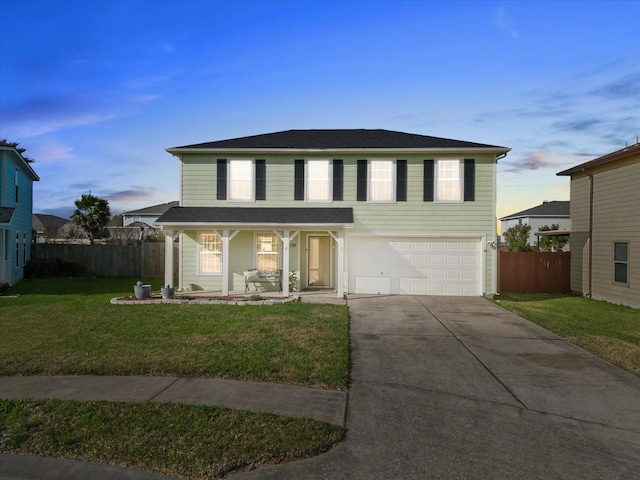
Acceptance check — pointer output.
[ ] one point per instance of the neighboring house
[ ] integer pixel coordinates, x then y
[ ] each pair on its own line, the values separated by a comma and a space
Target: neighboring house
16, 208
147, 215
605, 227
46, 226
546, 214
356, 211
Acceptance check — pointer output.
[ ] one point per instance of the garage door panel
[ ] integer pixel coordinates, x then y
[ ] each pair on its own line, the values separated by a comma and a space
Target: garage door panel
419, 267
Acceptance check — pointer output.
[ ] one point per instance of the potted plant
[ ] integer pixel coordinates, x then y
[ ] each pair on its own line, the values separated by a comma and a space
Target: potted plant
167, 292
141, 291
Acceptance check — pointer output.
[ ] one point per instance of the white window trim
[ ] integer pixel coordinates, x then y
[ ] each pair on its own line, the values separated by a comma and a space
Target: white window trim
255, 247
198, 253
252, 192
307, 170
393, 180
460, 177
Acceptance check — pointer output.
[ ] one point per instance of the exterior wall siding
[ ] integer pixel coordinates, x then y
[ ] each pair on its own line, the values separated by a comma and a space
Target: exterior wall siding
413, 217
16, 243
616, 218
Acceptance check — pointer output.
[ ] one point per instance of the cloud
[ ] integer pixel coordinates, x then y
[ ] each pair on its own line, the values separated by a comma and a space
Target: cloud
50, 151
533, 161
625, 88
580, 126
505, 23
135, 194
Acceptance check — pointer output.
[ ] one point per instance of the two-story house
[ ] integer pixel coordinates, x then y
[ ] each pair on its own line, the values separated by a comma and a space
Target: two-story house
605, 227
16, 207
547, 214
147, 215
357, 211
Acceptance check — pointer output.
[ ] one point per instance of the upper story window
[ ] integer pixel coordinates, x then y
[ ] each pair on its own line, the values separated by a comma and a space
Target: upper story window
210, 253
449, 181
241, 180
318, 180
17, 185
621, 262
381, 181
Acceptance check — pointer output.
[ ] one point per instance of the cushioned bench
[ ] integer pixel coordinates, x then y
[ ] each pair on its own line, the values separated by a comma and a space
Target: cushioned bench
255, 275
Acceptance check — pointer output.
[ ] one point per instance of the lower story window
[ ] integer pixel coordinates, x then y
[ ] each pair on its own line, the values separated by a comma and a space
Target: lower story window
621, 262
267, 251
210, 253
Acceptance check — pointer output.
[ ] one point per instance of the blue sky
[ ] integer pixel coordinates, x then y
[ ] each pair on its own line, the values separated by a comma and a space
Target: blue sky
96, 90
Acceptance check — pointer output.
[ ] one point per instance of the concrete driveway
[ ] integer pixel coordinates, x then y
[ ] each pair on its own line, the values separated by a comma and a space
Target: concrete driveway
458, 388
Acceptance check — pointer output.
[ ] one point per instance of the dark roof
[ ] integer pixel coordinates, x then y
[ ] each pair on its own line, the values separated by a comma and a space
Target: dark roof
43, 221
547, 209
337, 139
610, 157
256, 215
6, 214
153, 210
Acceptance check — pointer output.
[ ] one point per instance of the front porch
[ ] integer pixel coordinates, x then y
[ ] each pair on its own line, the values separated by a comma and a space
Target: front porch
215, 252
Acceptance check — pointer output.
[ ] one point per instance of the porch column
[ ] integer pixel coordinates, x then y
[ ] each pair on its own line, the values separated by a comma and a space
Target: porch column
285, 263
340, 287
225, 263
168, 257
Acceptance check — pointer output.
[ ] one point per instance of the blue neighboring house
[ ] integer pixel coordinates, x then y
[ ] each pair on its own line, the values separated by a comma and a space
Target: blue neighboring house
16, 208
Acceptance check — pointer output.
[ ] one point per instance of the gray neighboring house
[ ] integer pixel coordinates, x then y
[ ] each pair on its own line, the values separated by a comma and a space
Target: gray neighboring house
47, 226
147, 215
546, 214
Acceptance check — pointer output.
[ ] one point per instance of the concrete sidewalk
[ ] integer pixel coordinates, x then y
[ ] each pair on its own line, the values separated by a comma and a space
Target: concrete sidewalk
323, 405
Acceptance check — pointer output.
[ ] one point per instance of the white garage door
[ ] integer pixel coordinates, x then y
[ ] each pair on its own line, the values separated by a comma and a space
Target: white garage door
447, 266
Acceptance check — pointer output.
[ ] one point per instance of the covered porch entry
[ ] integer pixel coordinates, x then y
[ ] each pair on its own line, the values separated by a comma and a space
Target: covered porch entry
219, 244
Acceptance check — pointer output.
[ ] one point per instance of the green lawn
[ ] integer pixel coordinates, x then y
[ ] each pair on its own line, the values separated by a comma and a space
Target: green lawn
610, 331
67, 326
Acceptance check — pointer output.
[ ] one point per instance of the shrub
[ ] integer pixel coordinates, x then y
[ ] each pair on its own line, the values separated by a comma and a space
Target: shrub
54, 268
5, 288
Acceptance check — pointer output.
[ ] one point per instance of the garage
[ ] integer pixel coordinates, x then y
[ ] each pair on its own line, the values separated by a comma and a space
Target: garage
415, 266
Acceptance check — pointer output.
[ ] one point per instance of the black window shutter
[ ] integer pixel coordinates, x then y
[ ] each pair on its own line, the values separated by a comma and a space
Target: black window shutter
428, 181
401, 180
298, 188
338, 179
469, 180
361, 182
222, 179
261, 180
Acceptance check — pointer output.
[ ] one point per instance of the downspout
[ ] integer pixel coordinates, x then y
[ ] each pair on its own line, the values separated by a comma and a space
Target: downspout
590, 253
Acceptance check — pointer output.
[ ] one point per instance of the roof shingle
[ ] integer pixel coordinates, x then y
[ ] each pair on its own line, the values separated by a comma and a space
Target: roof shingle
337, 139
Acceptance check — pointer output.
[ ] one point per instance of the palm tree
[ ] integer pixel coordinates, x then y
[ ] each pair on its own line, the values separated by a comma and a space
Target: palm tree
92, 214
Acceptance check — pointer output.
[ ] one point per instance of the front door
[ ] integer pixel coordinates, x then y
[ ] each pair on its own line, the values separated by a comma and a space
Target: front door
319, 261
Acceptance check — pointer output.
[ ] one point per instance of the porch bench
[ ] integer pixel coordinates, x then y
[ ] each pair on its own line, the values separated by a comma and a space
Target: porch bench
255, 275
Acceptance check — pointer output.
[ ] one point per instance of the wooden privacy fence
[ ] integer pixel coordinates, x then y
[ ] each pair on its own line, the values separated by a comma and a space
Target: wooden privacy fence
534, 272
143, 260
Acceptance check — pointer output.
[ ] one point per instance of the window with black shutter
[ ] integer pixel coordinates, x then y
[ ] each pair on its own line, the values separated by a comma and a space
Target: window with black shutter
298, 189
361, 181
261, 180
401, 180
428, 181
221, 185
338, 180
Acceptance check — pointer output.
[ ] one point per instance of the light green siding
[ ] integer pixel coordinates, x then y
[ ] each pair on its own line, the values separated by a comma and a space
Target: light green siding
412, 218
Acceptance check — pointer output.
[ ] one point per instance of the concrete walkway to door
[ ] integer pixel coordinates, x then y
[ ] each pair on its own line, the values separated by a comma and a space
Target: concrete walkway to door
458, 388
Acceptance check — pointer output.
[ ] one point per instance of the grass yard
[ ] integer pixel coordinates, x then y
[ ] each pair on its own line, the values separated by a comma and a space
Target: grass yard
182, 440
610, 331
67, 326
